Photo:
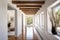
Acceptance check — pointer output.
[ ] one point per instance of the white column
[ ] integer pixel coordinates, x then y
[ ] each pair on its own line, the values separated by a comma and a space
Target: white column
16, 23
45, 20
3, 20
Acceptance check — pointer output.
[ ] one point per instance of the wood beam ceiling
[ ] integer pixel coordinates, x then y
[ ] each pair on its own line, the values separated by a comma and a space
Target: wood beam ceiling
29, 7
29, 11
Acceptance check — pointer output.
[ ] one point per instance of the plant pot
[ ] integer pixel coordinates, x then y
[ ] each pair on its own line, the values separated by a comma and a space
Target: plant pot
54, 30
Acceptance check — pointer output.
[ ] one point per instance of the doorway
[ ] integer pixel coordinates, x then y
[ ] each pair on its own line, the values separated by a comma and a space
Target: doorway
11, 24
29, 27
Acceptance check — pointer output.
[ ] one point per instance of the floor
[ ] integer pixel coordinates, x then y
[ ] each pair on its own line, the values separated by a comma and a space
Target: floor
30, 35
12, 38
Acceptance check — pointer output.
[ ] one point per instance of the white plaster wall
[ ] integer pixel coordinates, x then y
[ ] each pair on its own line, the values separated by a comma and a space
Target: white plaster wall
19, 22
44, 8
24, 20
11, 13
23, 24
3, 20
41, 17
37, 20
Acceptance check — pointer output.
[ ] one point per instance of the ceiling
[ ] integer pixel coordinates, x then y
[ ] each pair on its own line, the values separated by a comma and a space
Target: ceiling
29, 7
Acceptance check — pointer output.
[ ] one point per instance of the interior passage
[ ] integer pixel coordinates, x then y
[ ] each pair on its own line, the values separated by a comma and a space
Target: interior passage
31, 34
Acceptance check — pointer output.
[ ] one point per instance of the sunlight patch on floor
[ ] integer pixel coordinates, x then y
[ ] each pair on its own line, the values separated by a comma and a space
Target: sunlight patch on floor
29, 33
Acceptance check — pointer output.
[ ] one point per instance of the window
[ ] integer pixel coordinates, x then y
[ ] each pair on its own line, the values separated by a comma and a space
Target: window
29, 20
56, 12
54, 19
42, 20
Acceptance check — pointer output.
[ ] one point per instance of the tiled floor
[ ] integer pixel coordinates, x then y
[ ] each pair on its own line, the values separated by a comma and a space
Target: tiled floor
30, 35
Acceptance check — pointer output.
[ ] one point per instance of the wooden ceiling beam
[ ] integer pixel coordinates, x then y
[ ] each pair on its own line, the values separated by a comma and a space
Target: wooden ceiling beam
29, 6
26, 2
30, 12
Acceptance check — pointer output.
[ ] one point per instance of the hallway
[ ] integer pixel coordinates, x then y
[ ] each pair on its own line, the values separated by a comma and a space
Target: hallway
29, 19
31, 34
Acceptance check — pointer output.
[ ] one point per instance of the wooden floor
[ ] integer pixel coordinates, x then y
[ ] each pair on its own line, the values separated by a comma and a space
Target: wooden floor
20, 38
35, 37
12, 38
